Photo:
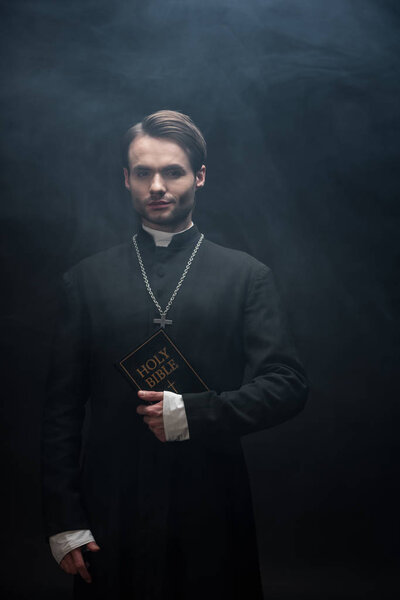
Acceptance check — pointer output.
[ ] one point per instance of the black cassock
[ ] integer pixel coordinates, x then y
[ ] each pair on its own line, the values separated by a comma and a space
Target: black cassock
173, 520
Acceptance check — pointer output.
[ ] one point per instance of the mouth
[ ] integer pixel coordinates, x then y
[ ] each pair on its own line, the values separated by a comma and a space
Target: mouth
159, 204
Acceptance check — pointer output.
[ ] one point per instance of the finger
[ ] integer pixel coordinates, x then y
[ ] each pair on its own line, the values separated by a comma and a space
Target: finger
64, 564
67, 564
93, 547
160, 435
71, 567
80, 565
156, 421
150, 396
156, 427
150, 411
155, 410
159, 432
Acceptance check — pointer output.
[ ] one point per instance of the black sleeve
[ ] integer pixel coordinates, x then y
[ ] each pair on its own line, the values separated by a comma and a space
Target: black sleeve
274, 385
63, 415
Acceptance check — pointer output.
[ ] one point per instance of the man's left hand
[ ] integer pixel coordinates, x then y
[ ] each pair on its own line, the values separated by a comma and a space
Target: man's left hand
153, 414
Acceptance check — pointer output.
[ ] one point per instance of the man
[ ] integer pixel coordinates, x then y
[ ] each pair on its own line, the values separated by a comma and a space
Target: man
159, 498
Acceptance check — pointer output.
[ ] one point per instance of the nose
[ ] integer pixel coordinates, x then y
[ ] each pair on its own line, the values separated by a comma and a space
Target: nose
157, 186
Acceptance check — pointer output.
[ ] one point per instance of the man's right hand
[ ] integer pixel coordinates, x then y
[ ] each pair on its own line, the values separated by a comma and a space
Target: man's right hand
73, 562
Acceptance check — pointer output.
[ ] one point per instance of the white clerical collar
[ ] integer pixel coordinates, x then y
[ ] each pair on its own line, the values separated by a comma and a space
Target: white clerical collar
163, 238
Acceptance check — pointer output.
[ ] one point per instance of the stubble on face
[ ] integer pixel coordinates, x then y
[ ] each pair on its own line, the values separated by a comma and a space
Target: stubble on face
161, 183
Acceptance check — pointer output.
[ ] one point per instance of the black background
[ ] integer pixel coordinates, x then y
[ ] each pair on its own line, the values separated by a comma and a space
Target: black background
299, 103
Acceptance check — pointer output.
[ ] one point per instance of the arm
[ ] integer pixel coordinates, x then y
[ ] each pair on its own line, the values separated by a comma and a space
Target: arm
274, 385
66, 394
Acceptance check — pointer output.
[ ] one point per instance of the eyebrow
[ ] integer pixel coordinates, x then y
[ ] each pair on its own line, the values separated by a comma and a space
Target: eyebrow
173, 166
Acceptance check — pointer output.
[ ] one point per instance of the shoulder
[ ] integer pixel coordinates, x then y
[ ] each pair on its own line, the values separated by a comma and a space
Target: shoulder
113, 259
104, 257
234, 259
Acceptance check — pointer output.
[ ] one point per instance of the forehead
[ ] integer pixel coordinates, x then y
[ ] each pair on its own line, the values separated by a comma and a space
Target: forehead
156, 152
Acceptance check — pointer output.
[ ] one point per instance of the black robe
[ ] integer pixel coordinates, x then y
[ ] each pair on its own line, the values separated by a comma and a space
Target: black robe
173, 520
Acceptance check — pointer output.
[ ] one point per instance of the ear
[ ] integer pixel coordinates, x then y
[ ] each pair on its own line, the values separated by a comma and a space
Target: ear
201, 177
126, 177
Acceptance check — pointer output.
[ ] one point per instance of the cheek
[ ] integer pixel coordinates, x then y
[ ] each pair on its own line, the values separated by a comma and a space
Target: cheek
185, 190
138, 189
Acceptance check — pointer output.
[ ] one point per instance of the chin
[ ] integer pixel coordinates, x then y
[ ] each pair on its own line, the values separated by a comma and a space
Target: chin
170, 220
160, 220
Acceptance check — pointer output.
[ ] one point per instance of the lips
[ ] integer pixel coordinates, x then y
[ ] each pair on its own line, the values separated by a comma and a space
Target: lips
159, 203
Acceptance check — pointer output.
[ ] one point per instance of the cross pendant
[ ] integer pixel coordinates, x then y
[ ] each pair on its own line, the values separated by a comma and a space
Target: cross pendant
163, 321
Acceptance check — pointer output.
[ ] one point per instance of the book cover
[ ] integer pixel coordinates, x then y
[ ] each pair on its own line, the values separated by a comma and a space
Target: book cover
158, 365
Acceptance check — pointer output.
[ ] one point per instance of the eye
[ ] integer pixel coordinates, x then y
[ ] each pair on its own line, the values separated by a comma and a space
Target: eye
141, 173
174, 173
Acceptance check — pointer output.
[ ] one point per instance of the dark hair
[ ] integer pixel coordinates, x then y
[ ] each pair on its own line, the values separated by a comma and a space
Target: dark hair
172, 125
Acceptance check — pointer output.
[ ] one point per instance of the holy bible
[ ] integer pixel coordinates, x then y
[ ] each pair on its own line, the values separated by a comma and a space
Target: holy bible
158, 365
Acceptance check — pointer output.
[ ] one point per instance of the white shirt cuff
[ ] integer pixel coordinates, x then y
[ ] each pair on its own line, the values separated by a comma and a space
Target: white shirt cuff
64, 542
174, 416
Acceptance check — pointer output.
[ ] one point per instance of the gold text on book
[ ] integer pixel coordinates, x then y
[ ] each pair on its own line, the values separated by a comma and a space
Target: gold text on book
157, 367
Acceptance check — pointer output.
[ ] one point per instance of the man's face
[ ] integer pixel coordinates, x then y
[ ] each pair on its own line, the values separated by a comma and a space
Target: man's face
161, 183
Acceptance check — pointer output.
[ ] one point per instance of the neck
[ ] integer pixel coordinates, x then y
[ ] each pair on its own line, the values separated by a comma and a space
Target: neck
169, 229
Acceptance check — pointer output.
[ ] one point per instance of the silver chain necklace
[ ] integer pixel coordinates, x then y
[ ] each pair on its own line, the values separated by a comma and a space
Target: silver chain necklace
163, 321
